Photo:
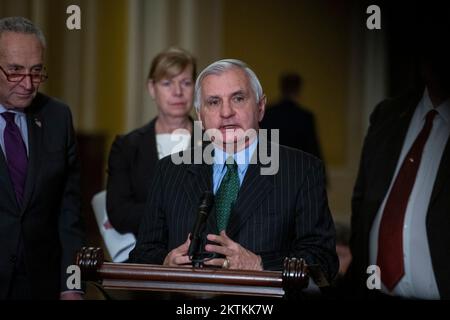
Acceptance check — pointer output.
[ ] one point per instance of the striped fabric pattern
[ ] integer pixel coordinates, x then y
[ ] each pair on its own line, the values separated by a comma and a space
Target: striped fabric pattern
275, 216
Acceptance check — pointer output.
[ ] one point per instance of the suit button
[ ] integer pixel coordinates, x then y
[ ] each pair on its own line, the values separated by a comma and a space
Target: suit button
13, 258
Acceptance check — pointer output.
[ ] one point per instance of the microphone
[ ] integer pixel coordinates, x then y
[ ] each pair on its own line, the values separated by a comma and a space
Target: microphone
198, 239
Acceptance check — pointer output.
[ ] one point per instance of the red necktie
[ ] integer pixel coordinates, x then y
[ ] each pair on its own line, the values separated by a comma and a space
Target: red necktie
390, 236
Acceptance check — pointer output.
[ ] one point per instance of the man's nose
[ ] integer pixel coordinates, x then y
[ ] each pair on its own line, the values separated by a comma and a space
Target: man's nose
226, 110
27, 83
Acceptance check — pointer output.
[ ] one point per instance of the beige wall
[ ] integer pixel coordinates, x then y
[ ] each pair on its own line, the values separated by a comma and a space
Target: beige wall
317, 39
310, 37
100, 70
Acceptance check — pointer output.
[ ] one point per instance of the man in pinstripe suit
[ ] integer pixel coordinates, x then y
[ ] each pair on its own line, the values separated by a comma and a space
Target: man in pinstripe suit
284, 214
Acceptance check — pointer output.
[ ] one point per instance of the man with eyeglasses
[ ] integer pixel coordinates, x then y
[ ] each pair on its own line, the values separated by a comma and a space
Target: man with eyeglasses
40, 221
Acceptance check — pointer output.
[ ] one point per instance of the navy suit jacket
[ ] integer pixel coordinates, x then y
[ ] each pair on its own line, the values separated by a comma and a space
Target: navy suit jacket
41, 237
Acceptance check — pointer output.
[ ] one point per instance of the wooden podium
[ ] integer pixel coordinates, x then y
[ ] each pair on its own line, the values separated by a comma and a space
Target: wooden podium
145, 277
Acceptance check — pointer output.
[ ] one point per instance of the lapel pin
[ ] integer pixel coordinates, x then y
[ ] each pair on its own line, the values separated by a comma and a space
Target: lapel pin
38, 122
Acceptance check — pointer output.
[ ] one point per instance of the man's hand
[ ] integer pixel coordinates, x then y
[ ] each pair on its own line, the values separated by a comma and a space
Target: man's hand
178, 256
70, 295
237, 256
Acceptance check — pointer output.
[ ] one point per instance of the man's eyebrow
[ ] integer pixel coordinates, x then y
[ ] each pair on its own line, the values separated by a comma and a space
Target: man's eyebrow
15, 65
239, 92
212, 97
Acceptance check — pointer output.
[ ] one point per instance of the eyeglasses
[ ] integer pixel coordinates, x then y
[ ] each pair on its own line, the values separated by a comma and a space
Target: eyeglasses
38, 77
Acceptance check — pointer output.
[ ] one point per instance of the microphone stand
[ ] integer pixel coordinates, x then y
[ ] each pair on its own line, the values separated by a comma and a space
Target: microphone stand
198, 237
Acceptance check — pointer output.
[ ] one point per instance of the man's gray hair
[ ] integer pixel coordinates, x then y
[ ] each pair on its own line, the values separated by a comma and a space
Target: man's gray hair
220, 67
21, 25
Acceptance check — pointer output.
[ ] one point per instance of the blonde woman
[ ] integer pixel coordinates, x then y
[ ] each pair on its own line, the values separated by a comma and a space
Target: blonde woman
133, 156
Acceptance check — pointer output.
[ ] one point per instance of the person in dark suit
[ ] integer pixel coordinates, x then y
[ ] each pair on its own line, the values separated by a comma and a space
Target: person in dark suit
40, 221
133, 156
258, 217
401, 202
297, 125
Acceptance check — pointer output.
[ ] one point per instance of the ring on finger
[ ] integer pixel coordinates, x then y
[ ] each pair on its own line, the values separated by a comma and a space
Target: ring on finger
226, 263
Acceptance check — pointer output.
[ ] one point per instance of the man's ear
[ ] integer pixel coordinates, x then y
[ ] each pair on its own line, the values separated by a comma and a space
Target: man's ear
262, 107
151, 88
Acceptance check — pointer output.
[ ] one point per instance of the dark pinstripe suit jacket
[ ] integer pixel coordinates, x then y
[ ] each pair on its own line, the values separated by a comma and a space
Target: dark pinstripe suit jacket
275, 216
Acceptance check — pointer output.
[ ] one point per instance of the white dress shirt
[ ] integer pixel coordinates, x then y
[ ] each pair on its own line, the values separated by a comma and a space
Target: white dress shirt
169, 143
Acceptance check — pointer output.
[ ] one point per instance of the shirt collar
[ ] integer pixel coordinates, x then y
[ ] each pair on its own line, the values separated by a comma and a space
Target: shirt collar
443, 109
3, 109
242, 158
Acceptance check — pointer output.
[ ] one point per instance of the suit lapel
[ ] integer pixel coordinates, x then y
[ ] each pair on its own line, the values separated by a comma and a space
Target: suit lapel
443, 173
34, 123
254, 189
199, 180
148, 144
5, 179
198, 183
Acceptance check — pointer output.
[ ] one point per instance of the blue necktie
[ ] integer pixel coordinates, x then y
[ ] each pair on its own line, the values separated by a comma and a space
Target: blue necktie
16, 155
